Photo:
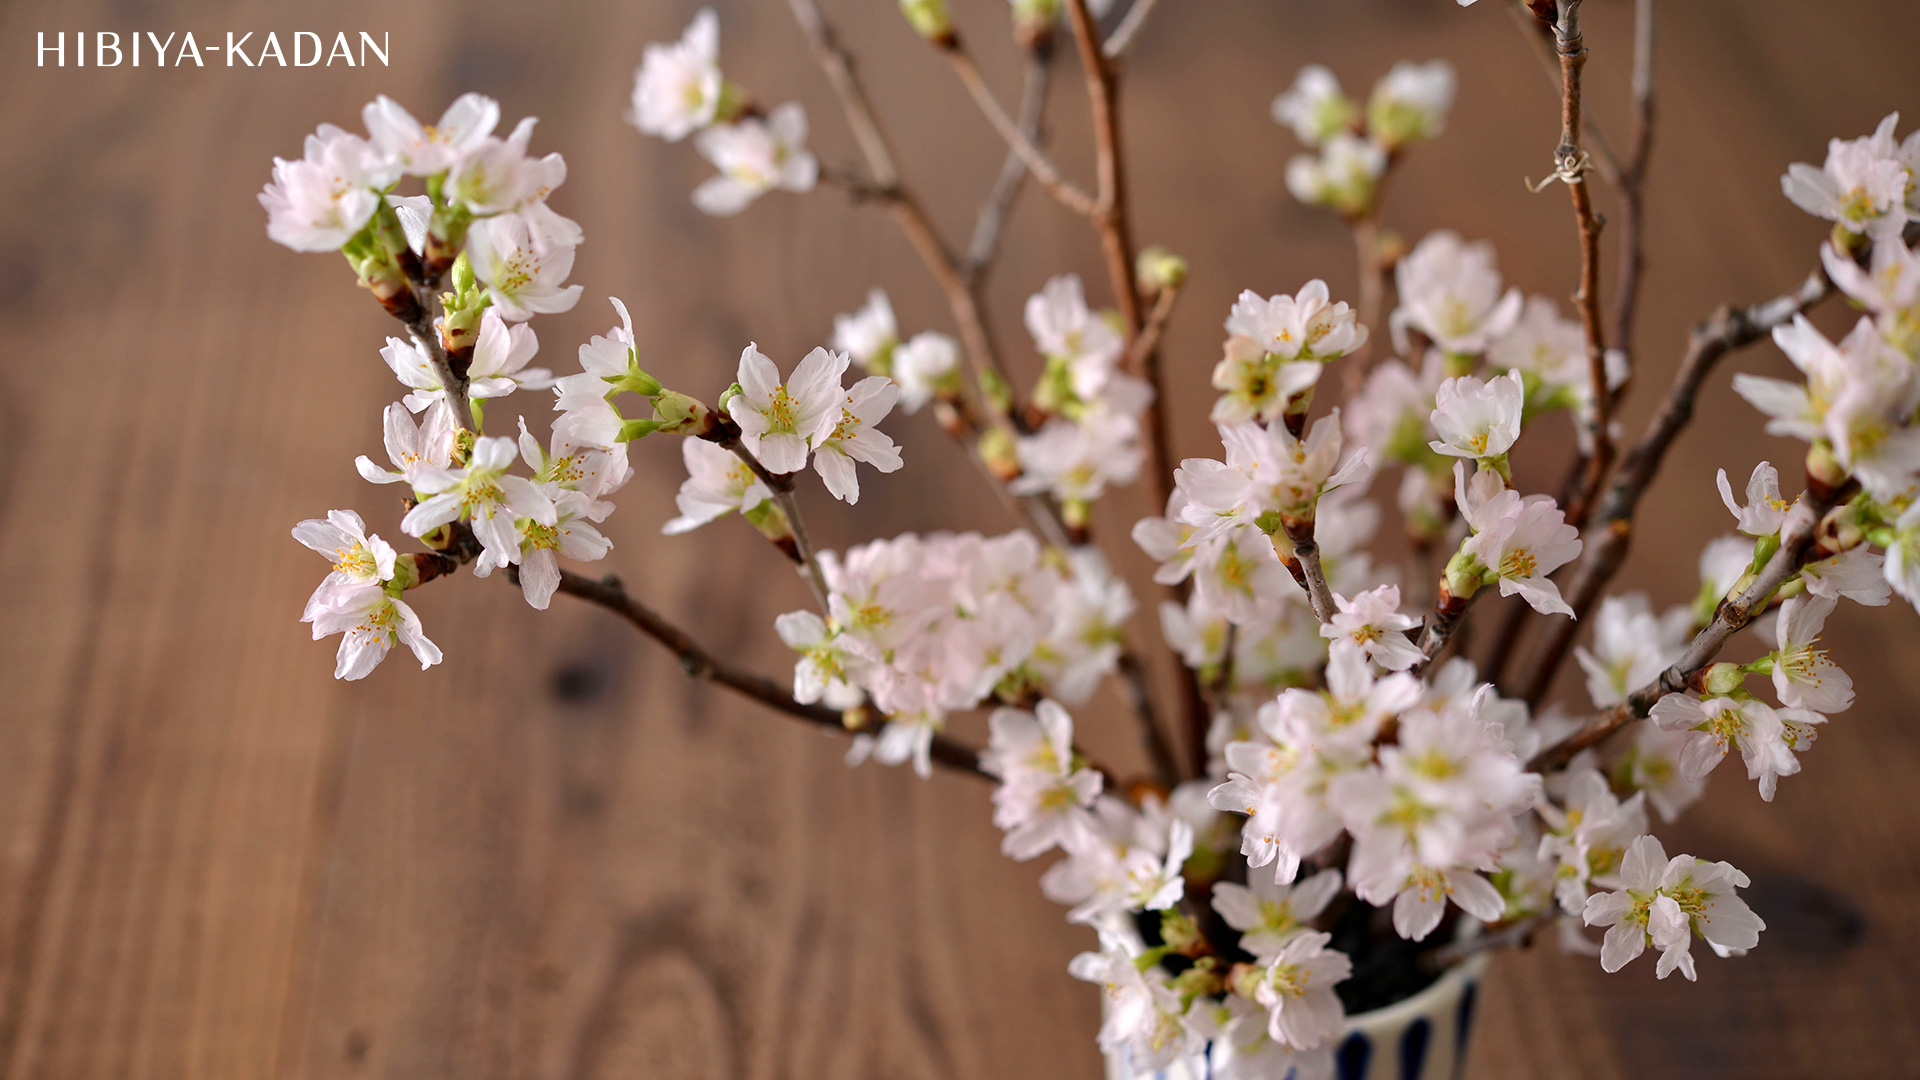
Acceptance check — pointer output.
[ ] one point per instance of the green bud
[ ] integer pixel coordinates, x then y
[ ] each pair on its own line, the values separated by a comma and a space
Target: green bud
462, 275
1180, 931
638, 429
680, 414
770, 520
729, 394
1763, 550
1054, 394
996, 449
1721, 679
930, 19
732, 103
1076, 513
1158, 269
1464, 575
1458, 365
1270, 522
996, 390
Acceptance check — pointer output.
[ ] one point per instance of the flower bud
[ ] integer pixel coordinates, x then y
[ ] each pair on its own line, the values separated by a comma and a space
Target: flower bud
1721, 679
931, 19
1033, 23
1159, 269
1464, 575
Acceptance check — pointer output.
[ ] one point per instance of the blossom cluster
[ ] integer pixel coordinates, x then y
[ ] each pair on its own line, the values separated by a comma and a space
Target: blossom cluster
1353, 144
678, 91
922, 627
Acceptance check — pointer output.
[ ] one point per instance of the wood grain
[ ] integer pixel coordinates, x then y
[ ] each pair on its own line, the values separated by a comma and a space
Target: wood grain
552, 856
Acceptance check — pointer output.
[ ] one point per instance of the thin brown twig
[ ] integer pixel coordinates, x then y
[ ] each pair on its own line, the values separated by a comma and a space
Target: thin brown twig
1036, 160
1797, 548
1144, 357
1159, 751
1313, 577
1611, 534
1516, 934
1540, 37
1129, 28
1633, 180
1116, 236
1571, 164
1013, 171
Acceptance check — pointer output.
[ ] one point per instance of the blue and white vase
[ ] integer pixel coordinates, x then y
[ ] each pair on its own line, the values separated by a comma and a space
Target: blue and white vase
1421, 1038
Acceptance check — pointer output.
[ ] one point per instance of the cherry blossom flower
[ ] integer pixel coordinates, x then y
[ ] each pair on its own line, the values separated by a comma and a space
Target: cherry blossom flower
1254, 384
677, 88
373, 621
717, 484
500, 357
1296, 988
418, 149
1314, 106
755, 155
1805, 677
1268, 915
870, 334
1720, 723
922, 366
1305, 326
1652, 765
904, 738
522, 272
1078, 460
1590, 834
1664, 903
571, 534
830, 664
854, 438
1071, 334
1477, 419
1410, 102
1765, 511
584, 454
1902, 566
1043, 795
1889, 284
1343, 176
496, 176
1450, 291
1862, 186
1145, 1020
320, 201
1631, 647
358, 559
1525, 541
484, 494
416, 451
779, 422
1856, 574
1373, 622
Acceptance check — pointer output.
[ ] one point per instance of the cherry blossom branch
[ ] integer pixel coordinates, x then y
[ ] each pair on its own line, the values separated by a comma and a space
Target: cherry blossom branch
1018, 141
1013, 172
887, 187
1516, 934
1632, 182
1570, 166
1144, 356
1129, 28
1159, 751
1307, 569
724, 433
1539, 35
1797, 549
609, 593
1609, 537
1116, 238
1438, 628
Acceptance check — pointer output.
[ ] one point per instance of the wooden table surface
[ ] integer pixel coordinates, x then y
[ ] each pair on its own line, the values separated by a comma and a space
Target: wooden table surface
552, 856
